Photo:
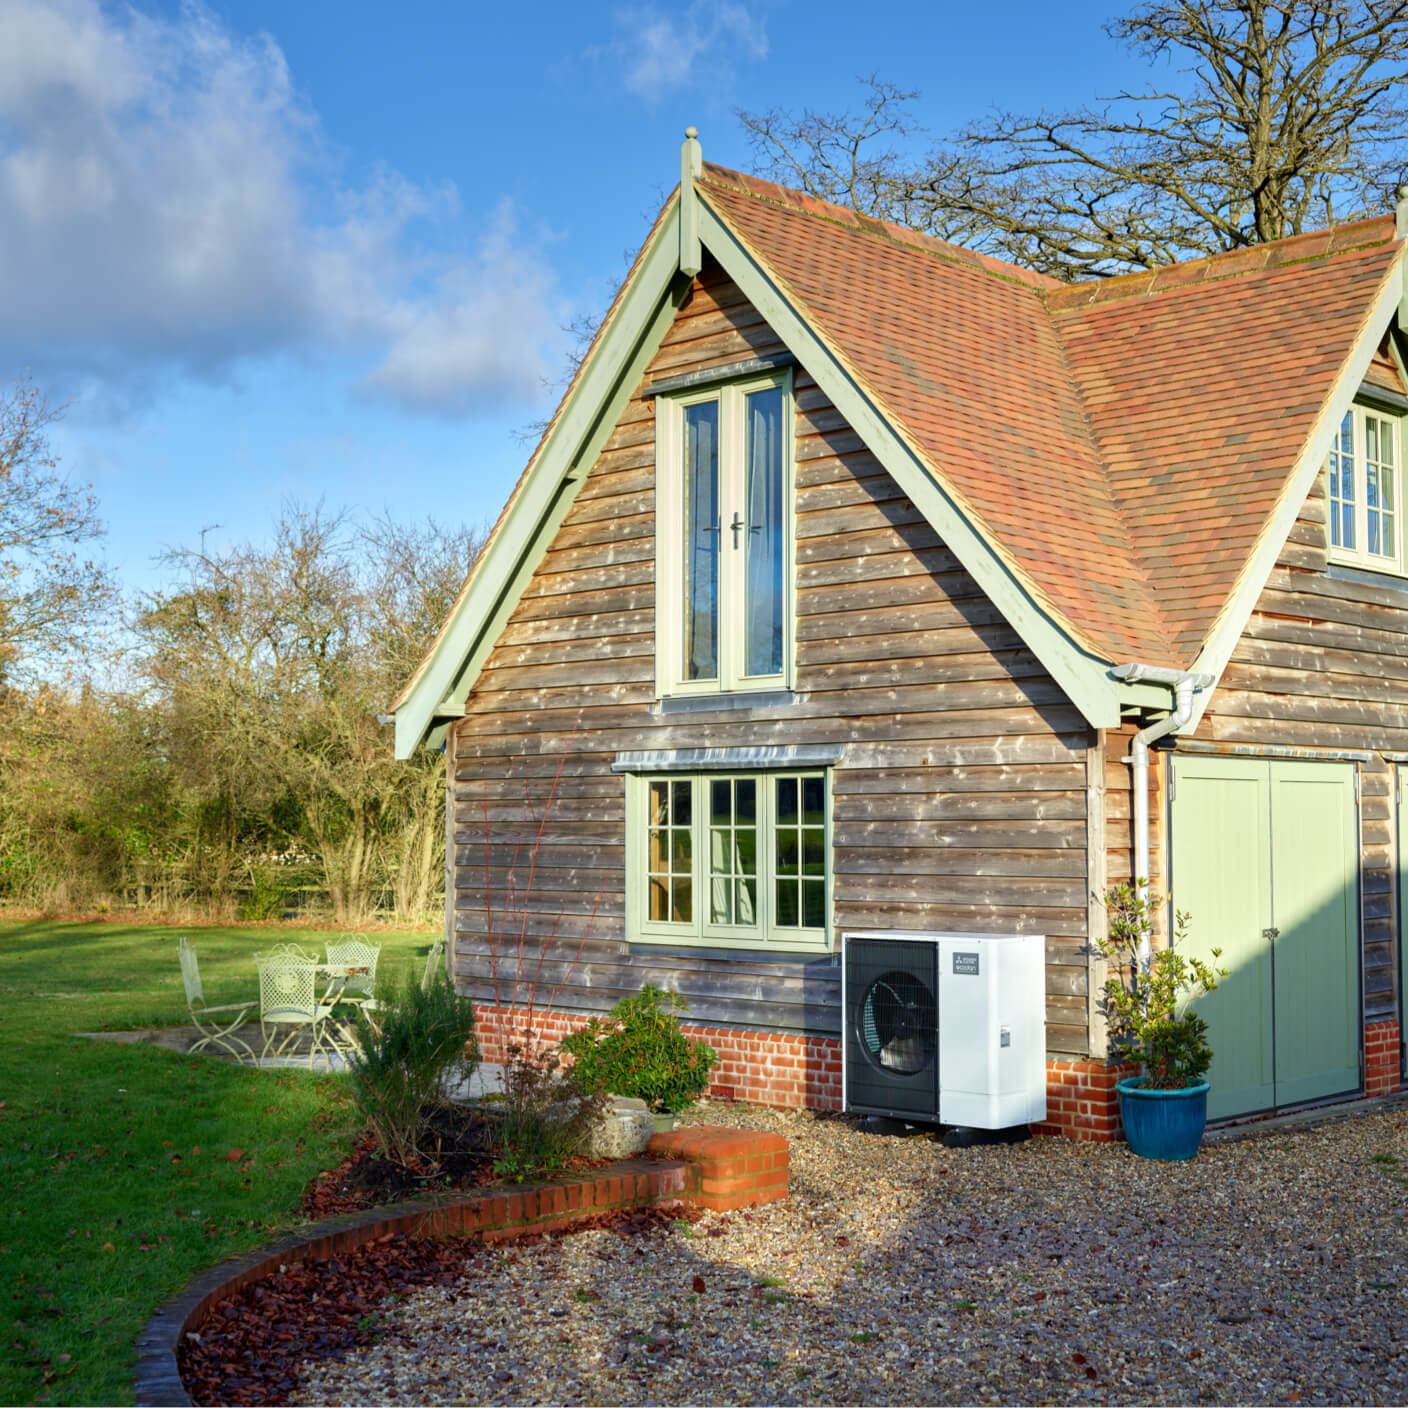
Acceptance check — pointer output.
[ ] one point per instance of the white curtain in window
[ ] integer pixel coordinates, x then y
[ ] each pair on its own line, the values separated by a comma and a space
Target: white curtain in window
720, 882
730, 899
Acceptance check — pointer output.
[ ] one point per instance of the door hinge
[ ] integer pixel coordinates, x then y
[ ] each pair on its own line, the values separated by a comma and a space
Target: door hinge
1357, 778
1172, 783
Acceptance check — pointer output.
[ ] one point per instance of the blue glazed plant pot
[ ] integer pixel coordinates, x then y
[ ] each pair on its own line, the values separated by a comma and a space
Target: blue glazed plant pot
1163, 1124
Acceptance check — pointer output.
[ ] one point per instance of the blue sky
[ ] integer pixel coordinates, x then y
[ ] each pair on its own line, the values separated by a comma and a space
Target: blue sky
272, 251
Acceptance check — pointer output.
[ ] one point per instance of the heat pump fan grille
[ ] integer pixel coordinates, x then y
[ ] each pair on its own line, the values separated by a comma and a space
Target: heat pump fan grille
899, 1024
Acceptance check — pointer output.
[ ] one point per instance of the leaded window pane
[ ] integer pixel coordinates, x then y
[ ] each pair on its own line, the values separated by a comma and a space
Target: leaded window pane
1361, 482
1342, 479
683, 902
800, 853
787, 914
669, 860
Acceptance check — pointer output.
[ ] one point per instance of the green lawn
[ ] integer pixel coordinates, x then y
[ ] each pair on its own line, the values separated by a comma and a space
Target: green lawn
117, 1163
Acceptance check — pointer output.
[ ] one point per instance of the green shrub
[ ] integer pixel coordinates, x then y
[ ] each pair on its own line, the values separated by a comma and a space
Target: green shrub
1150, 1020
264, 898
416, 1041
544, 1114
639, 1050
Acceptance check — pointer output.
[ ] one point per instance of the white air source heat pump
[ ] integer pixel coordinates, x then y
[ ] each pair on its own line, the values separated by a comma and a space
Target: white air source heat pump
945, 1028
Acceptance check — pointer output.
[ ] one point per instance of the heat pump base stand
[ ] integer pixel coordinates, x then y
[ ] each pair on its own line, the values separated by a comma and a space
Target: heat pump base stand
962, 1136
895, 1128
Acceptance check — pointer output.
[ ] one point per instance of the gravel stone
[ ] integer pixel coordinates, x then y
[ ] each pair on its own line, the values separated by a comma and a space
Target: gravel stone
1273, 1269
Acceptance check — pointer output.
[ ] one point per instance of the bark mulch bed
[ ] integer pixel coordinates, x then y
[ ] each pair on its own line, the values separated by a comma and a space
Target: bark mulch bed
366, 1180
251, 1348
464, 1161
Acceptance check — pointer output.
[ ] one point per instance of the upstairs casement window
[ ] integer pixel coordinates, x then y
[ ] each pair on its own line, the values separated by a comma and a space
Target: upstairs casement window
724, 538
1363, 484
729, 860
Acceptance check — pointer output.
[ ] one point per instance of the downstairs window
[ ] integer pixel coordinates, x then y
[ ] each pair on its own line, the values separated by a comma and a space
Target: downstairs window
739, 860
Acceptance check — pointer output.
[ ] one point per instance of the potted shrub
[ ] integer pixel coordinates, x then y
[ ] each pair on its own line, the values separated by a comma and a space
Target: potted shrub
1165, 1109
639, 1050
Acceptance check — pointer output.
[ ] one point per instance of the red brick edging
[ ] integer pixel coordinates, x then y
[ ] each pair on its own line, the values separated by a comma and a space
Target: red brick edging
732, 1168
713, 1167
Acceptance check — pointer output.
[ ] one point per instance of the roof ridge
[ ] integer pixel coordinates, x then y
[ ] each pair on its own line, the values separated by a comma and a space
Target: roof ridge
1304, 247
807, 204
1227, 264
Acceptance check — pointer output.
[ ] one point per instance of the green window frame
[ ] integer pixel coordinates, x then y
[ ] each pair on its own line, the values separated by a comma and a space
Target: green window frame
1363, 491
730, 859
725, 537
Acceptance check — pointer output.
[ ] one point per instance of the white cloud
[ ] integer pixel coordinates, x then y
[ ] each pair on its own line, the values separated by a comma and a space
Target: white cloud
447, 355
166, 205
659, 50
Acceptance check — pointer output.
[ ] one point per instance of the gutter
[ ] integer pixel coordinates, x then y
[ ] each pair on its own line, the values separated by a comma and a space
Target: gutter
1185, 685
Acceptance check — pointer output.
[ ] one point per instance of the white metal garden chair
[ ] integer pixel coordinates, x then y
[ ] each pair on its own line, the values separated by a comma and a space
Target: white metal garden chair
434, 963
214, 1023
354, 951
288, 997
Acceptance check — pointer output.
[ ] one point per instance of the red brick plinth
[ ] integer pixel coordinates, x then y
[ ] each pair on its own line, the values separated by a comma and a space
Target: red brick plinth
1081, 1100
1382, 1060
730, 1168
789, 1071
780, 1069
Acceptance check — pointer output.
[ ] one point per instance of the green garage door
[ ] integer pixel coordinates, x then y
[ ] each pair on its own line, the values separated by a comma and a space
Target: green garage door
1265, 860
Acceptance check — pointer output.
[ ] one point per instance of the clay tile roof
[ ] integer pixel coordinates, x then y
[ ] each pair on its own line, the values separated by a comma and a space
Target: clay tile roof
1123, 443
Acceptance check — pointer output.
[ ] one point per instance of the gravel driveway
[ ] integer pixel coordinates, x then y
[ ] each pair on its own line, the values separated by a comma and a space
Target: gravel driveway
1269, 1270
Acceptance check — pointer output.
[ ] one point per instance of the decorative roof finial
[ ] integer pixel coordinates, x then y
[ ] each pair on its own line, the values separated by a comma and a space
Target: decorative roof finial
1400, 214
691, 168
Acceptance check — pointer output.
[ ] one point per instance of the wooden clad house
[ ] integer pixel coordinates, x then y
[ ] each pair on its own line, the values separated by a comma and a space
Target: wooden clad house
836, 596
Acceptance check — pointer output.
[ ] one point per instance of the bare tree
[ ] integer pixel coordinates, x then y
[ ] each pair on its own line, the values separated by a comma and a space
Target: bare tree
258, 658
50, 594
270, 666
416, 573
1288, 116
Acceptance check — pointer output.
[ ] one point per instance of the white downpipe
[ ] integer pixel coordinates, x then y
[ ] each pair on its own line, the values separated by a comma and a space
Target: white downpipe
1184, 686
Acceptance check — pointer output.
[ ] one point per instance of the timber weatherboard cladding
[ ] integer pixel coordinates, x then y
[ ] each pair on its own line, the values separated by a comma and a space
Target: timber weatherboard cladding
960, 802
1323, 664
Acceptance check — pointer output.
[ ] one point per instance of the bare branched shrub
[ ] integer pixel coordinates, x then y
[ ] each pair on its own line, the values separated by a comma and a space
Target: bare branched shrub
545, 1114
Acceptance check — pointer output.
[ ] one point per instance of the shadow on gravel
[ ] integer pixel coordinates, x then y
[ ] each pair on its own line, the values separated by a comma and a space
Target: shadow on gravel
900, 1271
1268, 1271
